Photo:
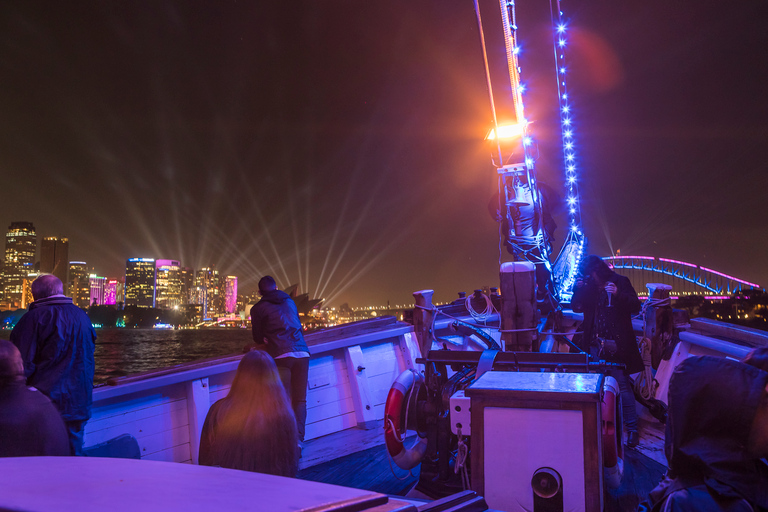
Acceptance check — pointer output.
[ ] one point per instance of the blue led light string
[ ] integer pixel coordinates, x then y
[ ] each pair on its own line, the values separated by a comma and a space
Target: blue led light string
573, 246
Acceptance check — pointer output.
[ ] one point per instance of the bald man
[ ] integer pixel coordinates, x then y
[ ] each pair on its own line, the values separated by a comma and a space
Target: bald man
57, 341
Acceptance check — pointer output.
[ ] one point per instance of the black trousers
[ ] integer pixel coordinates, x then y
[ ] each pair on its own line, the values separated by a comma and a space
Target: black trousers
294, 372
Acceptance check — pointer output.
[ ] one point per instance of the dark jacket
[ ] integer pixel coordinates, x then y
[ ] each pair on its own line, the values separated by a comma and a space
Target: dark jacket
625, 304
275, 319
712, 403
30, 425
57, 341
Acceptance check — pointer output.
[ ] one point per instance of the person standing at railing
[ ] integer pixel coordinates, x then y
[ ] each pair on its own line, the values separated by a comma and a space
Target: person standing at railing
608, 302
278, 330
57, 341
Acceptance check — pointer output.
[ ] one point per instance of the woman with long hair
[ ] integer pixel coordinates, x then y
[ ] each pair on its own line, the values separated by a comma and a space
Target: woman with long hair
253, 428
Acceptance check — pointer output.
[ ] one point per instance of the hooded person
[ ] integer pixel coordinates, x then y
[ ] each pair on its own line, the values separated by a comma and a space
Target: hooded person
717, 434
277, 329
608, 302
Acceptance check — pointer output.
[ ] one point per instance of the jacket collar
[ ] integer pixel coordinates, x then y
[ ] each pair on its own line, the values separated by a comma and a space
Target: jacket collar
50, 301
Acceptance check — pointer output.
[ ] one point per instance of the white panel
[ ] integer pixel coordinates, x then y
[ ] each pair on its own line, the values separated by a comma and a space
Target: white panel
142, 427
520, 441
163, 440
330, 425
178, 453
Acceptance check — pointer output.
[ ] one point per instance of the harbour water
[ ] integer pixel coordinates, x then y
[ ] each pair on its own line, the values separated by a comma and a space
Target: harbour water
122, 352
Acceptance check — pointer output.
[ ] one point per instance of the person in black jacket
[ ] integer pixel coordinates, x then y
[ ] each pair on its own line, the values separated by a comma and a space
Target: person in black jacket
57, 341
277, 329
29, 423
608, 302
716, 439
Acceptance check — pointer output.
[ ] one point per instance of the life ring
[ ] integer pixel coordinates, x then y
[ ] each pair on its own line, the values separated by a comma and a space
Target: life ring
613, 449
395, 412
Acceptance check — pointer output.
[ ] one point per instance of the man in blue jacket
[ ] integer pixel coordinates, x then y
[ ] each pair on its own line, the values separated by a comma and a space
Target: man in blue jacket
57, 341
277, 329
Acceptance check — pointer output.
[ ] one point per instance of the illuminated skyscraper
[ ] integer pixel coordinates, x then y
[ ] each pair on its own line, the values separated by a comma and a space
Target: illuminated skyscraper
26, 294
168, 284
79, 287
140, 282
110, 292
98, 290
187, 279
209, 291
20, 247
231, 295
54, 257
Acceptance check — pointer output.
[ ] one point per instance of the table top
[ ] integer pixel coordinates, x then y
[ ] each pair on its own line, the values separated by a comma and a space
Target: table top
86, 484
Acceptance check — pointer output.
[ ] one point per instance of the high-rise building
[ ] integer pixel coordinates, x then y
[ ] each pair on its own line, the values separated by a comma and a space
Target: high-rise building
54, 257
110, 292
231, 295
20, 248
209, 291
168, 284
140, 282
98, 290
79, 287
187, 279
26, 294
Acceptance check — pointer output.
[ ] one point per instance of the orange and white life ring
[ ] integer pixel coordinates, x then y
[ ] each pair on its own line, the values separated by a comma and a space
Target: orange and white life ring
395, 412
613, 449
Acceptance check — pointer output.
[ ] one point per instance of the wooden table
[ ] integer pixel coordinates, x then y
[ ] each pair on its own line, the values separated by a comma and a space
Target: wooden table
85, 484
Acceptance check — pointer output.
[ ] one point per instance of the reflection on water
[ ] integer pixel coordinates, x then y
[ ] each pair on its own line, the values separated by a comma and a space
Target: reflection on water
126, 351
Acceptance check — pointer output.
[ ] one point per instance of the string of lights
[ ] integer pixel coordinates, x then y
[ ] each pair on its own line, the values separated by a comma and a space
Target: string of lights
573, 247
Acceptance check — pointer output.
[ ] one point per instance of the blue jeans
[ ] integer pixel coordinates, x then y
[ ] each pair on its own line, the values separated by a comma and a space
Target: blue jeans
627, 399
75, 431
294, 372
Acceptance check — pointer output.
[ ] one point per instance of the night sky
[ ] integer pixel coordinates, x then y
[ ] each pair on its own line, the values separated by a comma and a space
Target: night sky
338, 144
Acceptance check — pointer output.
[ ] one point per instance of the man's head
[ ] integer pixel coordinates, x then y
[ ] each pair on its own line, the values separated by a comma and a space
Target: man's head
11, 365
593, 266
46, 285
267, 284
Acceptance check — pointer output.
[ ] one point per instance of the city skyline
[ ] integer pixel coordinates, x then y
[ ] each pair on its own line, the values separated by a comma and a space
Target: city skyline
305, 142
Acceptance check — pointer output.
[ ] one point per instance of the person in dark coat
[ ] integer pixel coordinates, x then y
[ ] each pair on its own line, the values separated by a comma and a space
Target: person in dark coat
29, 423
277, 329
57, 341
716, 440
253, 427
608, 302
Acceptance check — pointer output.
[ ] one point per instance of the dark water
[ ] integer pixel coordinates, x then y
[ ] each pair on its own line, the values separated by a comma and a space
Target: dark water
127, 351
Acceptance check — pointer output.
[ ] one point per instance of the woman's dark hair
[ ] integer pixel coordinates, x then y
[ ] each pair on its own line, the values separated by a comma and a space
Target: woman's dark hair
253, 428
593, 263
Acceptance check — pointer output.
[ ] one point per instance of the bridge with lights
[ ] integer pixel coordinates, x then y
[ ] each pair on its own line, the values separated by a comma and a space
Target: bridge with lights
685, 278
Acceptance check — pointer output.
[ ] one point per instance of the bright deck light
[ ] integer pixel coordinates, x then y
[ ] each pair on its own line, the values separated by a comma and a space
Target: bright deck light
509, 131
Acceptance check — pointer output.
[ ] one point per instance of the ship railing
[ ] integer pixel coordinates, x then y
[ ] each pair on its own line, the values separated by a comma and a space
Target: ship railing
351, 370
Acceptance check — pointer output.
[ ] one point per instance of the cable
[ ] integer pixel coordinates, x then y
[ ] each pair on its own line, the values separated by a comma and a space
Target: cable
487, 312
460, 465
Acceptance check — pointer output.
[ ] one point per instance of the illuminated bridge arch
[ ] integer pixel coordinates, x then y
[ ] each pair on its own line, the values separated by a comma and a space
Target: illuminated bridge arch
685, 278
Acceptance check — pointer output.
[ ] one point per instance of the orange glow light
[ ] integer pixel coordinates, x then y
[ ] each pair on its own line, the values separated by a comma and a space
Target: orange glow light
509, 131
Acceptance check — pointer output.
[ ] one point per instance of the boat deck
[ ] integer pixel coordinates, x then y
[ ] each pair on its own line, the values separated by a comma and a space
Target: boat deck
364, 464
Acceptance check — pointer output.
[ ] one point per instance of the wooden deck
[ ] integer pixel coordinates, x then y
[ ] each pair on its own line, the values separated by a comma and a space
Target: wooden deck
365, 465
